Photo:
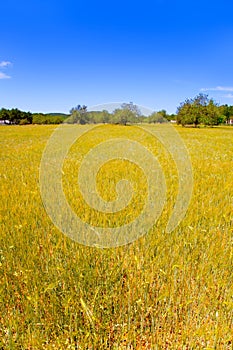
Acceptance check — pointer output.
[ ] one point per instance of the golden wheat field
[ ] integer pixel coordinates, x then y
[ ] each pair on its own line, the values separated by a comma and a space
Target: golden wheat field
163, 291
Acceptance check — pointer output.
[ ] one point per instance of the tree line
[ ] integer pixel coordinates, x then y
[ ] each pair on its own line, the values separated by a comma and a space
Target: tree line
202, 110
128, 113
15, 116
193, 111
18, 117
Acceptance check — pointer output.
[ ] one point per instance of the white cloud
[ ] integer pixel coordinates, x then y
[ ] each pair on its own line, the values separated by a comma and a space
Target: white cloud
4, 64
228, 96
218, 88
4, 76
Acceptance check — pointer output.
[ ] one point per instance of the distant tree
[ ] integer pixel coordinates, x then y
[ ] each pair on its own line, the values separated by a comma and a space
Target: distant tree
105, 116
171, 117
123, 116
156, 117
163, 113
79, 108
15, 116
4, 114
185, 113
210, 114
78, 115
132, 107
40, 118
230, 108
167, 116
199, 110
28, 117
225, 113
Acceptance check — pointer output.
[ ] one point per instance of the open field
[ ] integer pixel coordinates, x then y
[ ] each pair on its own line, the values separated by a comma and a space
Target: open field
164, 291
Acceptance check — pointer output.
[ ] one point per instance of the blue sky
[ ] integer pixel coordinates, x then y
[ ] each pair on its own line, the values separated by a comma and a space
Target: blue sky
57, 54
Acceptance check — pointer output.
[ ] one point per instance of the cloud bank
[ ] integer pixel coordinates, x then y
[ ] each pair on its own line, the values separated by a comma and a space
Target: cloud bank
4, 64
228, 96
218, 88
4, 76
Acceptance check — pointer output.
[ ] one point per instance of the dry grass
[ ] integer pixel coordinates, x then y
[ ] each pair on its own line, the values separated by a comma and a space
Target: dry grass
164, 291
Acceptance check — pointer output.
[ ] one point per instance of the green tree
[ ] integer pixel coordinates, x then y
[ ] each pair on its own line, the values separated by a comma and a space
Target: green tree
15, 115
199, 110
105, 116
78, 115
210, 115
185, 113
132, 107
156, 117
225, 113
4, 114
123, 116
